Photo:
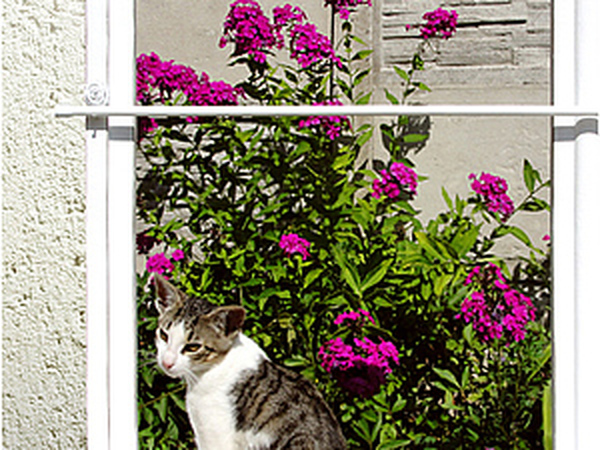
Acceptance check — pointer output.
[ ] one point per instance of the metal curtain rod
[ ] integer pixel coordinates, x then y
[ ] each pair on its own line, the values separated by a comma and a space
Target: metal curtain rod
327, 110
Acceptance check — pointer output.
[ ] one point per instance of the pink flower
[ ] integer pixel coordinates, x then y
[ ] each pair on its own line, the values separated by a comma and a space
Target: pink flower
400, 178
177, 255
160, 81
495, 309
159, 263
345, 7
493, 190
249, 30
331, 125
309, 47
360, 316
440, 23
361, 367
292, 243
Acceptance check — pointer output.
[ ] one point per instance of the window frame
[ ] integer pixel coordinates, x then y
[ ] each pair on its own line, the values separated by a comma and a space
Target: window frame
110, 126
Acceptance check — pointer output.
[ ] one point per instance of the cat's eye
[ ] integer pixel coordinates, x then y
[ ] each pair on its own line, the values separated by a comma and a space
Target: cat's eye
163, 335
191, 348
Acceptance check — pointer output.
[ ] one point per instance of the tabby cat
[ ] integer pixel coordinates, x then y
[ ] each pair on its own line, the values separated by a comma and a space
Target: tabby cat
236, 398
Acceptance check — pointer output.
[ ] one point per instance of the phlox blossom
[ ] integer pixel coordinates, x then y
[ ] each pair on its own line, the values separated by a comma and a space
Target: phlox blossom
393, 182
359, 365
159, 263
292, 243
330, 125
494, 308
308, 46
159, 81
492, 190
345, 7
439, 23
249, 30
360, 316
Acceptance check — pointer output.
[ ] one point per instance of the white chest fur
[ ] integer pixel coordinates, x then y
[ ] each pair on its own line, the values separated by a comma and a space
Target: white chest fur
210, 407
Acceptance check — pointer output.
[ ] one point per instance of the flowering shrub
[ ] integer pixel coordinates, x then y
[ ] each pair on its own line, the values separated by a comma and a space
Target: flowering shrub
417, 332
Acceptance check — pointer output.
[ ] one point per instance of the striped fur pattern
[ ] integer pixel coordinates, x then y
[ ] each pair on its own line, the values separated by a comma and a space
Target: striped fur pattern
236, 399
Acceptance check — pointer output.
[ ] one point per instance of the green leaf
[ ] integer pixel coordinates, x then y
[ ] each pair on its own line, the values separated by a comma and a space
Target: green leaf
349, 274
376, 275
447, 199
413, 138
530, 176
428, 245
363, 138
362, 54
364, 99
402, 73
391, 98
462, 243
312, 276
447, 376
535, 204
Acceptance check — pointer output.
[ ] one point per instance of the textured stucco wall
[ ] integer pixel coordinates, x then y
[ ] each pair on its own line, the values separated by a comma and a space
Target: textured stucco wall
43, 211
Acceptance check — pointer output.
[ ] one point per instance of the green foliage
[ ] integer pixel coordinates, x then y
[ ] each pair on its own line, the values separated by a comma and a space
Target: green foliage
225, 192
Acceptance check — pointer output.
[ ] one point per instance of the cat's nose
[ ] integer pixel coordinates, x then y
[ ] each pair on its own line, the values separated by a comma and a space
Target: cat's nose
168, 363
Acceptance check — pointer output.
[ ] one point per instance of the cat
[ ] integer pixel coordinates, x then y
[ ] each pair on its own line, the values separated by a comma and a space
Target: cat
236, 399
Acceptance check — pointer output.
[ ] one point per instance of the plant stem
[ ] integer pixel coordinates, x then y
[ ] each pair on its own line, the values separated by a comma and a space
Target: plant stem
331, 63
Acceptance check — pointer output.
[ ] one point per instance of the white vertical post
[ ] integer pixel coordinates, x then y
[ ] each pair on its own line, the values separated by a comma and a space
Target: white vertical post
121, 152
563, 230
587, 227
96, 232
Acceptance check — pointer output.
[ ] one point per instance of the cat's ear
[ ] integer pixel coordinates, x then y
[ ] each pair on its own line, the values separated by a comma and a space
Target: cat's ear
167, 295
227, 320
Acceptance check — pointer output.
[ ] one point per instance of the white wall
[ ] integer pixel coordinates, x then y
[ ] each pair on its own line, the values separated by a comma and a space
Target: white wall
43, 226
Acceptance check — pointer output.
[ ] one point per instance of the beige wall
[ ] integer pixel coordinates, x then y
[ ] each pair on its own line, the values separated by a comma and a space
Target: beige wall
43, 209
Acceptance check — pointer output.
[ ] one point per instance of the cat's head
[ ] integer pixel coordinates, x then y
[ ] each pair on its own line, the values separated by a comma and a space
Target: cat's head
192, 335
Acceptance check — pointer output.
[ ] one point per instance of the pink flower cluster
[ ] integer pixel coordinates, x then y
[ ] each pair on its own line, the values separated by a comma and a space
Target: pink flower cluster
308, 46
400, 178
361, 316
496, 308
493, 190
331, 125
440, 23
362, 366
286, 15
345, 7
159, 263
292, 243
249, 30
252, 33
160, 81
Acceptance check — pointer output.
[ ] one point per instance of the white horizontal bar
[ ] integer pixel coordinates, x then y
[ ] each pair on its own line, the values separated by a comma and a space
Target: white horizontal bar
327, 110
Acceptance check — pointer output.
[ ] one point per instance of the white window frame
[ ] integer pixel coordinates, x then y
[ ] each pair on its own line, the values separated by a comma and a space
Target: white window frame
111, 325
